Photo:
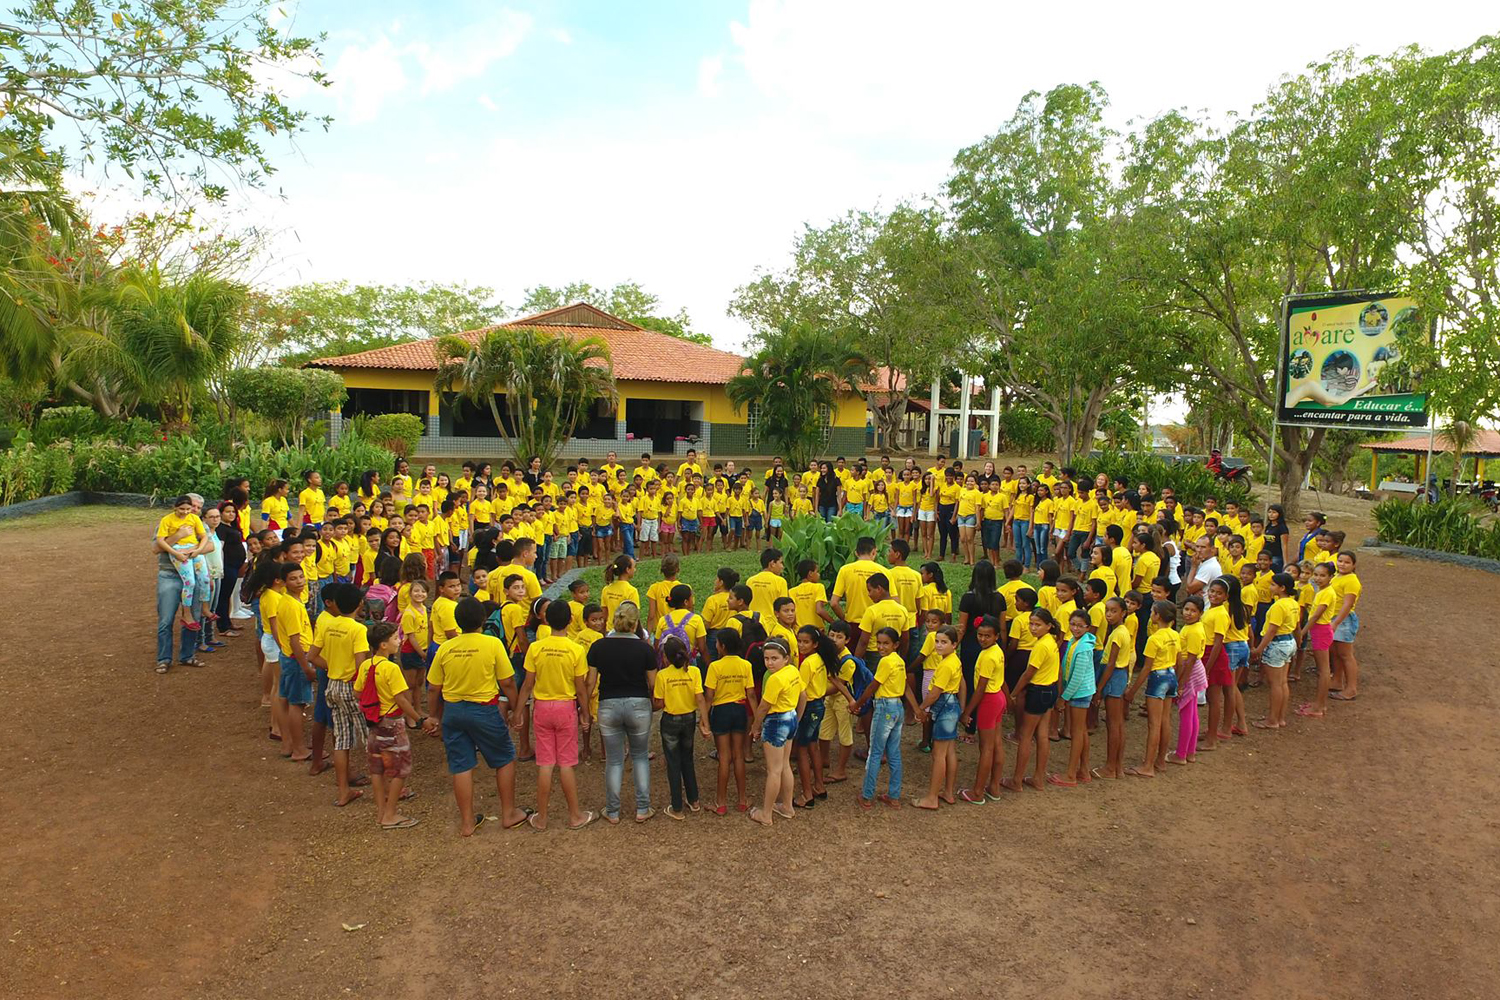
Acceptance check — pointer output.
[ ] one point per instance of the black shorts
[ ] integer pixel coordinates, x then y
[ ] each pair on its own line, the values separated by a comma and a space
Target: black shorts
1040, 698
729, 718
1016, 662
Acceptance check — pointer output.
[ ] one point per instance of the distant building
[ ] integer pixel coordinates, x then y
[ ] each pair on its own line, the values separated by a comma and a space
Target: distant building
670, 395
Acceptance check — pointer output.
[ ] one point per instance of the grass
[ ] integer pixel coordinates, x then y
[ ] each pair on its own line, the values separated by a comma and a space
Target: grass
82, 517
699, 572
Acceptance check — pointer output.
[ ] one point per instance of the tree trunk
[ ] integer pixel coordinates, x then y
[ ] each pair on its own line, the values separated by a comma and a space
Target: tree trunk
888, 418
1293, 458
1093, 409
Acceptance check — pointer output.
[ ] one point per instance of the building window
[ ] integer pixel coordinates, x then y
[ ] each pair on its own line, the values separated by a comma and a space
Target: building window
752, 425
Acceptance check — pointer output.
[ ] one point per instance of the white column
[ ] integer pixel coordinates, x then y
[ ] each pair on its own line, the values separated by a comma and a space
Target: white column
933, 420
994, 419
964, 385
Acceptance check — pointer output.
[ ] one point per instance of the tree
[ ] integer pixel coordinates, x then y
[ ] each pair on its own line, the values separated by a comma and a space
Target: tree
327, 319
885, 282
627, 300
1040, 227
548, 383
168, 91
793, 381
287, 397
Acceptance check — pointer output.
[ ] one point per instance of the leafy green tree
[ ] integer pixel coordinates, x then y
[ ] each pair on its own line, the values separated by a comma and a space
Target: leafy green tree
1039, 225
627, 300
167, 91
794, 379
548, 384
886, 283
287, 397
327, 319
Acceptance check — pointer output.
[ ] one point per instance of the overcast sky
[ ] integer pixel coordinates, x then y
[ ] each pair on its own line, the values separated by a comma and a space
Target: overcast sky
683, 144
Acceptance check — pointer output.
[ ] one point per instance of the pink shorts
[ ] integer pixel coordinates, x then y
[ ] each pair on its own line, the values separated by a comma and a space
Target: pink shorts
555, 727
991, 710
1321, 635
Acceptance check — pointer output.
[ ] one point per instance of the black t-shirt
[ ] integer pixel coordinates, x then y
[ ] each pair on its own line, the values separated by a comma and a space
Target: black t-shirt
828, 490
622, 662
1274, 534
970, 607
234, 543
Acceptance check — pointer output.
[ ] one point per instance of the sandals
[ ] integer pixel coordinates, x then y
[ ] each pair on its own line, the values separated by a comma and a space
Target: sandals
642, 817
402, 824
588, 818
164, 666
967, 796
526, 815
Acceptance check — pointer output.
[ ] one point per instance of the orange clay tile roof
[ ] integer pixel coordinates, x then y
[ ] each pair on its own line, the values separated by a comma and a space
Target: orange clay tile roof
638, 354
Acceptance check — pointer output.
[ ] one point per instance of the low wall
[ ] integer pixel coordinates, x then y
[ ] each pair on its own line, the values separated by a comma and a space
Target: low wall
77, 498
1432, 555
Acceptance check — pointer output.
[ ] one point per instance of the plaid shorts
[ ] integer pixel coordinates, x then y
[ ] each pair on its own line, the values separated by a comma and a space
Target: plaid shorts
348, 721
387, 750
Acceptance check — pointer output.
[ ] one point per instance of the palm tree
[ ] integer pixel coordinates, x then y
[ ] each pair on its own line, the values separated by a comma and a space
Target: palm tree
794, 380
548, 383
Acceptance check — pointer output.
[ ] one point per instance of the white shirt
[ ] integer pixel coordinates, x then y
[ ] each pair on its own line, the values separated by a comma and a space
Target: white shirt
1209, 571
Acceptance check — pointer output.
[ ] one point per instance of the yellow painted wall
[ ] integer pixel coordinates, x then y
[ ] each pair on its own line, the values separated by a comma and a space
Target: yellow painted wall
716, 406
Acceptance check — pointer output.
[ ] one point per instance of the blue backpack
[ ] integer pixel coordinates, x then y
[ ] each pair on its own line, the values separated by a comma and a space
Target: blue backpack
861, 680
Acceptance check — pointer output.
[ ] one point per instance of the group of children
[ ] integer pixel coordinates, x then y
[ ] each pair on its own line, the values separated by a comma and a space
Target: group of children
360, 609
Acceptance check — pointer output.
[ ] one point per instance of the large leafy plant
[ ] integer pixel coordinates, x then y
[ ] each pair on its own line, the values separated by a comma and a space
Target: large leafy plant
1453, 524
828, 543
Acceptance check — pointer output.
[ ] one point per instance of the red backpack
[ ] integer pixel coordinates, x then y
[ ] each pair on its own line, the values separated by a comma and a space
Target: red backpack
369, 698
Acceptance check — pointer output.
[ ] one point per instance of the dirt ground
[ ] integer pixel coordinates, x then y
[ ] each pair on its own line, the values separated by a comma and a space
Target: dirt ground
159, 847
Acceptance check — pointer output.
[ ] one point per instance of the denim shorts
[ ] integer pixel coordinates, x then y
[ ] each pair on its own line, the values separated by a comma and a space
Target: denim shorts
322, 714
690, 526
573, 544
1279, 652
604, 532
812, 721
858, 508
1161, 684
1040, 698
968, 520
736, 524
294, 685
730, 717
1348, 629
469, 727
777, 728
903, 511
753, 522
992, 533
945, 713
1117, 682
1083, 702
1239, 654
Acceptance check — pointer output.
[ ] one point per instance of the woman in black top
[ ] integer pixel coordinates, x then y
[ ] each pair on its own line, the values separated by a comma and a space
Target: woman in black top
623, 667
234, 560
828, 491
982, 599
1276, 536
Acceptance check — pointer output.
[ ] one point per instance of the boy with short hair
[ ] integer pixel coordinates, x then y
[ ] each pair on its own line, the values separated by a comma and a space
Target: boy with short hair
339, 647
387, 749
768, 586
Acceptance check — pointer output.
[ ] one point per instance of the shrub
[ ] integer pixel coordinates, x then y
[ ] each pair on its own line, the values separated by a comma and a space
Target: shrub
828, 543
399, 432
81, 423
288, 396
1192, 481
1452, 524
1025, 431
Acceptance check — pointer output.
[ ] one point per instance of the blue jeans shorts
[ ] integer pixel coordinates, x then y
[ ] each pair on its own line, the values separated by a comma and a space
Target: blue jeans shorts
1348, 629
992, 532
736, 525
857, 508
753, 522
469, 727
1161, 684
604, 532
294, 685
1279, 652
812, 721
1117, 682
573, 544
777, 728
727, 718
322, 714
690, 526
968, 520
1239, 654
945, 713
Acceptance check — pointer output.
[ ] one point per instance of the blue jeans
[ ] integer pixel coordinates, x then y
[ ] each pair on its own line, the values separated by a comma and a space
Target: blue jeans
168, 600
1022, 532
885, 742
621, 719
828, 513
1039, 535
627, 539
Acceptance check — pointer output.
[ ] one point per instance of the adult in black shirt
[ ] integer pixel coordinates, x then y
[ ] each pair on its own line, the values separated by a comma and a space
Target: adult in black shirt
234, 560
623, 666
828, 491
776, 478
982, 599
1276, 536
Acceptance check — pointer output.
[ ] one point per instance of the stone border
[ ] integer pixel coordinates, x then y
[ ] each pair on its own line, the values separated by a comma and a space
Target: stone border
77, 498
1434, 555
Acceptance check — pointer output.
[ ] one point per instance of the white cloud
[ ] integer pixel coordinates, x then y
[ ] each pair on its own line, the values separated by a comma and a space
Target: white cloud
561, 36
469, 53
488, 103
710, 68
365, 76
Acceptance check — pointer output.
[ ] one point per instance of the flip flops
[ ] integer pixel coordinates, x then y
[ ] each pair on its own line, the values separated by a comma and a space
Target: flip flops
1053, 779
404, 824
588, 818
525, 817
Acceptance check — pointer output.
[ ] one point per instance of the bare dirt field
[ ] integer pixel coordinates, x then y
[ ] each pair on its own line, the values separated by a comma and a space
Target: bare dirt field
158, 846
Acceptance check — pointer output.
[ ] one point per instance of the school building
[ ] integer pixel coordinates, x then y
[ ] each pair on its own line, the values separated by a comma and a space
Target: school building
669, 396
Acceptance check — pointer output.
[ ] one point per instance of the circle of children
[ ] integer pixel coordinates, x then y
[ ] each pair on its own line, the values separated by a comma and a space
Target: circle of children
371, 596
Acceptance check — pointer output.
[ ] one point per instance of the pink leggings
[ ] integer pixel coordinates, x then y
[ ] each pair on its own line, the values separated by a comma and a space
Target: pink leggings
1187, 729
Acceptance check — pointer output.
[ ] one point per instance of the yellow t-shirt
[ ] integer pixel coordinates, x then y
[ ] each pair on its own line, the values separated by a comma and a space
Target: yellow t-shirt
275, 509
340, 639
1020, 630
1344, 585
948, 673
656, 600
716, 610
1043, 513
906, 587
173, 522
765, 588
730, 678
849, 586
929, 599
482, 511
1108, 576
470, 667
1008, 591
678, 688
886, 614
1194, 640
616, 594
513, 618
814, 676
389, 682
969, 500
855, 490
1161, 649
1216, 624
1044, 659
415, 627
995, 506
1121, 644
989, 670
782, 688
1025, 503
1286, 614
1325, 604
807, 596
313, 504
557, 663
1146, 568
291, 619
692, 625
444, 625
890, 675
